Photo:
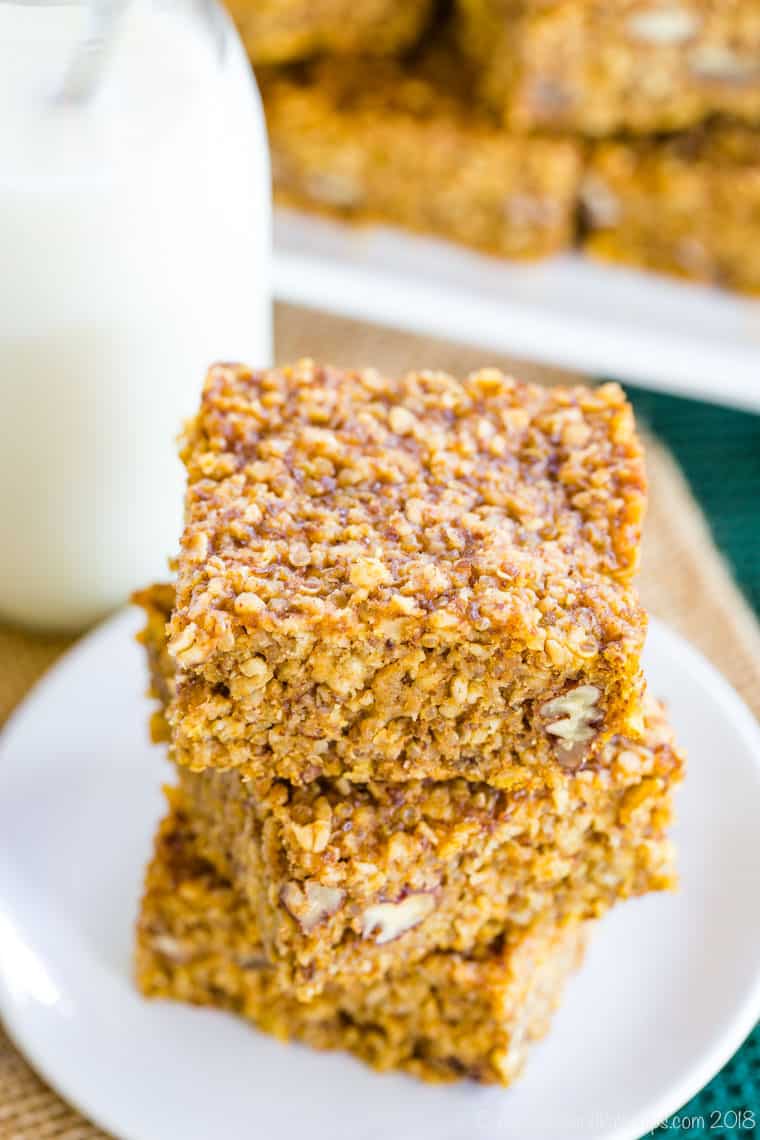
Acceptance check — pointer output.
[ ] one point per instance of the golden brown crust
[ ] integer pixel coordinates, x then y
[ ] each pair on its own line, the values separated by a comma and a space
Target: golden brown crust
605, 66
275, 31
688, 205
452, 1016
400, 578
379, 140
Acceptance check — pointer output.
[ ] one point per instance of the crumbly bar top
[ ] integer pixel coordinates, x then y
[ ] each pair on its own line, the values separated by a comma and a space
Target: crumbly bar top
332, 503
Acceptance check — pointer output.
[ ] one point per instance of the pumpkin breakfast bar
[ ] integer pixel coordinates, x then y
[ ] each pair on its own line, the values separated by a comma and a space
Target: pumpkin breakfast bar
688, 205
277, 30
604, 66
402, 143
451, 1016
395, 579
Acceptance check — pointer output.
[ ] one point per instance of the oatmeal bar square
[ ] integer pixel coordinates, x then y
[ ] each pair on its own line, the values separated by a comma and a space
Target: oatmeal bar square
399, 578
688, 205
605, 66
451, 1016
403, 143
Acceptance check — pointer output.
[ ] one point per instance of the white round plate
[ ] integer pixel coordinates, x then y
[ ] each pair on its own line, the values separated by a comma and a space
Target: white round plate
670, 988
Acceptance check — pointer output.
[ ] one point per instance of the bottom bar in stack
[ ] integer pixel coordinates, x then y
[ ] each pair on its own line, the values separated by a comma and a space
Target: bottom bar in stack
449, 1016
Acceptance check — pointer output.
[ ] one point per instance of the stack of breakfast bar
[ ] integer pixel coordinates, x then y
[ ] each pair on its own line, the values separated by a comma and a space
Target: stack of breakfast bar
399, 676
522, 127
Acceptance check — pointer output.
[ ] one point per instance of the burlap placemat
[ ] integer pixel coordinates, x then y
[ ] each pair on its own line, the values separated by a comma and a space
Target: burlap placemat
684, 581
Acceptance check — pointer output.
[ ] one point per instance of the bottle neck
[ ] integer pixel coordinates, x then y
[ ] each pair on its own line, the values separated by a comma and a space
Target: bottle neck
90, 56
58, 51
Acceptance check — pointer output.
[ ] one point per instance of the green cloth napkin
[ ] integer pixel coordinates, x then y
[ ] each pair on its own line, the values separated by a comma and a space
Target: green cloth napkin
719, 450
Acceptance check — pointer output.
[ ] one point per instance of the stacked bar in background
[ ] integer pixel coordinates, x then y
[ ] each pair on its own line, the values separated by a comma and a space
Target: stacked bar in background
684, 76
401, 142
399, 674
276, 31
524, 127
597, 67
689, 205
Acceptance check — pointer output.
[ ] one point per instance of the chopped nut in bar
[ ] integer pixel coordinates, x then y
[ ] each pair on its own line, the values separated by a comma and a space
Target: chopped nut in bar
451, 1016
404, 578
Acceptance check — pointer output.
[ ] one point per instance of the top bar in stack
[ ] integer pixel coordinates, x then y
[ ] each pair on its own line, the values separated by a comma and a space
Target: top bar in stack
404, 578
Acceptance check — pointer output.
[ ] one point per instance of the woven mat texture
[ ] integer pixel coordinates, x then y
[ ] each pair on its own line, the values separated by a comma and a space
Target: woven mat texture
684, 581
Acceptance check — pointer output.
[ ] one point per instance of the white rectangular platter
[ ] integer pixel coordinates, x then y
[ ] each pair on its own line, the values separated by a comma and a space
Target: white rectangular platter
569, 311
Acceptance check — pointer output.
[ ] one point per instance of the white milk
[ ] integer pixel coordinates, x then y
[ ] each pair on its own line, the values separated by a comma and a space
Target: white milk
134, 251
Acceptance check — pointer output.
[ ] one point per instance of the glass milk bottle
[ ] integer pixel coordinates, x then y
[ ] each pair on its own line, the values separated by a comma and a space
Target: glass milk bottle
134, 252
